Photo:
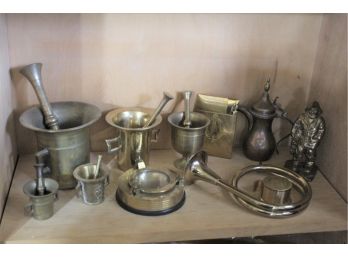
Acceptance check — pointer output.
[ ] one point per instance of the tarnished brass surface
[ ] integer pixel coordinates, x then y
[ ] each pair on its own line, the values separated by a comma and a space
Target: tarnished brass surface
132, 145
260, 143
67, 147
222, 113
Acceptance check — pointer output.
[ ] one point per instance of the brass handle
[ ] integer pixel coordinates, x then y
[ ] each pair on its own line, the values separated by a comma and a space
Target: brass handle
78, 190
110, 142
28, 209
154, 135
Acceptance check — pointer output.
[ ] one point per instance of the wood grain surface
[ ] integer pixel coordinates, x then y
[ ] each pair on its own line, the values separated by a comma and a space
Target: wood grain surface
8, 152
207, 213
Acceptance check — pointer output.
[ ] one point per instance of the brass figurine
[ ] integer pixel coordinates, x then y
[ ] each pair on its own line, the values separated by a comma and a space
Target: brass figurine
306, 134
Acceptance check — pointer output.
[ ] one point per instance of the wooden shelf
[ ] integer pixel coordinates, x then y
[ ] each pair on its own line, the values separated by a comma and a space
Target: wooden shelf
207, 213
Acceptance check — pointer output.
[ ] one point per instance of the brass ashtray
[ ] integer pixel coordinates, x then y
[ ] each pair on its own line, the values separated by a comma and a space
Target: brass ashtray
150, 191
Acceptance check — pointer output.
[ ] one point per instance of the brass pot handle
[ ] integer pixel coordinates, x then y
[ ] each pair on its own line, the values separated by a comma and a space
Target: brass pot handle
28, 209
111, 141
78, 190
56, 197
154, 135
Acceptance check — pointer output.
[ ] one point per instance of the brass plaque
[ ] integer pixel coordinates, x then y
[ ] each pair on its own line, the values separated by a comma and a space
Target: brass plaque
222, 112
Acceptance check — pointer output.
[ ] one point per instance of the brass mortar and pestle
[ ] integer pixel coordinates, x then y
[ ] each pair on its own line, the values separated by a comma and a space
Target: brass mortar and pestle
43, 192
62, 128
92, 180
137, 128
62, 131
141, 189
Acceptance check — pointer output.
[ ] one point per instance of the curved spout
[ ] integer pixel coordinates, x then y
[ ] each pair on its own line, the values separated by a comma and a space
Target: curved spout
33, 73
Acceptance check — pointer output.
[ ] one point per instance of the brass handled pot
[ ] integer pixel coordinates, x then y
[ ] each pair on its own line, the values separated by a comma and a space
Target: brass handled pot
132, 145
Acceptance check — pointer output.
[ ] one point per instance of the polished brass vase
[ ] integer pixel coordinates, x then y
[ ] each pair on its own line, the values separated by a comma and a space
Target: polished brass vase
67, 147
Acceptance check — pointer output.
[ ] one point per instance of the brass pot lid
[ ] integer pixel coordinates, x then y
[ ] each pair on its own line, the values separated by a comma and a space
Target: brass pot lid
264, 108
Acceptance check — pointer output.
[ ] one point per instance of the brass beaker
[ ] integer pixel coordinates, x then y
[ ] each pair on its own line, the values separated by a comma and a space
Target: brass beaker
132, 145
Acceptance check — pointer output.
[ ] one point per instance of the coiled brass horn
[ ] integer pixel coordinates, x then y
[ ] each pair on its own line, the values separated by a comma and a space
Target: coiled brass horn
196, 168
33, 73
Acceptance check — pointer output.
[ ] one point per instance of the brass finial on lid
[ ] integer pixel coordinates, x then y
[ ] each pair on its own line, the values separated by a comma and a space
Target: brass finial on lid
268, 84
264, 107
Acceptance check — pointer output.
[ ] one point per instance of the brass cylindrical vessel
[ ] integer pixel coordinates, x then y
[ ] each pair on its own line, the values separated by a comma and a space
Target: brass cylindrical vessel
68, 147
188, 140
132, 145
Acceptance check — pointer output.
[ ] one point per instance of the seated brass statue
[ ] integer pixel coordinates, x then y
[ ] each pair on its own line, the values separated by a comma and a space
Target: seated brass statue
306, 135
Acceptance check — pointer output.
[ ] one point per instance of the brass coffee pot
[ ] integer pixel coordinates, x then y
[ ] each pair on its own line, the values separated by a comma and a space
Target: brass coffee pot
260, 143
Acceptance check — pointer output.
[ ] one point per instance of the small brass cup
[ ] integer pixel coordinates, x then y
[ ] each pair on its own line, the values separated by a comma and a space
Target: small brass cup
90, 189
